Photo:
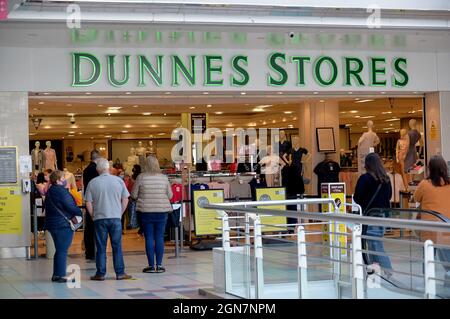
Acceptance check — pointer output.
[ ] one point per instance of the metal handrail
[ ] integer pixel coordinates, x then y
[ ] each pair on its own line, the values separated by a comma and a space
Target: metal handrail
408, 211
342, 218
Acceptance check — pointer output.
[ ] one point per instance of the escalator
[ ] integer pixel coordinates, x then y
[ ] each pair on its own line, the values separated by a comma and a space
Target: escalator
406, 277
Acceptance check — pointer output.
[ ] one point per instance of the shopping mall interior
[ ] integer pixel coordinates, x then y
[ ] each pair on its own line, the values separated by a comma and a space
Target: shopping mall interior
119, 124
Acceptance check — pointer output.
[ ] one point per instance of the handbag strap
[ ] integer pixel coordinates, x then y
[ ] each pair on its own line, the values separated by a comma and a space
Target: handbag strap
373, 197
58, 210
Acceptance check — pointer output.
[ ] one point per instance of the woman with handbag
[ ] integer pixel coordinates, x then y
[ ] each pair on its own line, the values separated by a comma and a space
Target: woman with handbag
153, 192
62, 218
374, 190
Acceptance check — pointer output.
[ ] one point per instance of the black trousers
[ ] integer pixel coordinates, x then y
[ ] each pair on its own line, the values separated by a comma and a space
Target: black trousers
89, 237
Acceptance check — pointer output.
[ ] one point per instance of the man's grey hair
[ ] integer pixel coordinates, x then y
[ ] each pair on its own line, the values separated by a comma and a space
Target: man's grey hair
95, 154
102, 165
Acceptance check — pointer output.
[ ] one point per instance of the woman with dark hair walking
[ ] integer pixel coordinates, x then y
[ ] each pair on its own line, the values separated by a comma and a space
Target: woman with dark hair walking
374, 190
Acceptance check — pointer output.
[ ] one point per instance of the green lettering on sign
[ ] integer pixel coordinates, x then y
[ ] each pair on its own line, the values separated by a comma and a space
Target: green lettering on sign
76, 69
283, 76
300, 60
353, 72
245, 77
112, 70
178, 66
210, 69
376, 70
317, 71
145, 65
398, 70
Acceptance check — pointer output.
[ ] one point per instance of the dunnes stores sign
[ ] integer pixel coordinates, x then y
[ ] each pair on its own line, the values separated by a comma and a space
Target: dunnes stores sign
215, 70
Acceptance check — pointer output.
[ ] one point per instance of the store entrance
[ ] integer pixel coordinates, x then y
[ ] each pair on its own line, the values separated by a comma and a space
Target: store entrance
126, 127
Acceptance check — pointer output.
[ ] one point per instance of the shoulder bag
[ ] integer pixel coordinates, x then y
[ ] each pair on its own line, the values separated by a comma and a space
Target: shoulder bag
73, 222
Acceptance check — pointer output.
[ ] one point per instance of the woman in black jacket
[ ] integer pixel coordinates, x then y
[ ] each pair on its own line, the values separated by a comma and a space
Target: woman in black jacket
374, 190
60, 207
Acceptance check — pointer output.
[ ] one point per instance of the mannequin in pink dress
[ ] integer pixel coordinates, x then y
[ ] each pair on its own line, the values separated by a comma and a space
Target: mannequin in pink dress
400, 153
50, 157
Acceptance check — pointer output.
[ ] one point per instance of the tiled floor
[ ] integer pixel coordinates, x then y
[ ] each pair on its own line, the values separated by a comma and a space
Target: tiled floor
21, 278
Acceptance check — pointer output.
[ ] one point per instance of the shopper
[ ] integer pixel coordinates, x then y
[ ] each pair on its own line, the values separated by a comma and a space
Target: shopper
153, 192
106, 201
42, 185
60, 207
89, 173
433, 194
134, 220
374, 190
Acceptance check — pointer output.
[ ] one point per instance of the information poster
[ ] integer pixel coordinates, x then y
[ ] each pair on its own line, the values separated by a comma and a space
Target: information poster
8, 165
337, 192
270, 194
206, 222
10, 210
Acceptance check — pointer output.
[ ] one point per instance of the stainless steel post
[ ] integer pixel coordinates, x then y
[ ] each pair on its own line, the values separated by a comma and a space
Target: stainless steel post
35, 231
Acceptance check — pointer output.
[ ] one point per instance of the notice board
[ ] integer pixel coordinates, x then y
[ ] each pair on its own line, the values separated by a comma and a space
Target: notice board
10, 210
206, 222
8, 165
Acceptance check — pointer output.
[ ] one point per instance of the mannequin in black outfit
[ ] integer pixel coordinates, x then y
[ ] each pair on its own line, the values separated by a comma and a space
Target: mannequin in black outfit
327, 171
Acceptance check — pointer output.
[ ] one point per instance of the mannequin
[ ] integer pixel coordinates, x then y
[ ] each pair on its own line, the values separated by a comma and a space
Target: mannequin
270, 166
414, 138
368, 140
37, 157
50, 157
294, 174
401, 150
150, 149
131, 161
284, 145
140, 152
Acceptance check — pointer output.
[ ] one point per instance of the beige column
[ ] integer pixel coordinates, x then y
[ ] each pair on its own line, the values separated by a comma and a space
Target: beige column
314, 115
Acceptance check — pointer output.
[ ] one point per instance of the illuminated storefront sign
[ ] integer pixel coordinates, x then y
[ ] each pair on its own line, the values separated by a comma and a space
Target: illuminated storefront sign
216, 70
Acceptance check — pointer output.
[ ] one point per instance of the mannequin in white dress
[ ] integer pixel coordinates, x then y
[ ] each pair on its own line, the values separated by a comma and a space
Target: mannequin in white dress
367, 141
140, 152
131, 161
50, 157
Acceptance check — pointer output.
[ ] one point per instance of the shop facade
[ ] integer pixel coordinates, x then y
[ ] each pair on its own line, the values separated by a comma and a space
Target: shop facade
93, 60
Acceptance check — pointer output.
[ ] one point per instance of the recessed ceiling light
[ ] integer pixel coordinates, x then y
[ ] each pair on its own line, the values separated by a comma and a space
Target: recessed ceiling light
47, 127
347, 125
389, 112
316, 92
279, 92
218, 113
354, 111
153, 125
265, 106
350, 92
258, 109
68, 104
343, 112
363, 101
209, 105
321, 101
251, 124
109, 114
287, 112
415, 92
46, 93
290, 126
135, 106
71, 135
357, 99
168, 93
392, 120
273, 121
74, 126
114, 108
146, 113
108, 136
357, 116
419, 110
127, 126
127, 93
161, 133
71, 132
264, 123
100, 105
40, 103
80, 133
284, 119
165, 114
36, 109
192, 107
383, 92
88, 93
206, 93
243, 93
230, 124
294, 118
124, 131
367, 117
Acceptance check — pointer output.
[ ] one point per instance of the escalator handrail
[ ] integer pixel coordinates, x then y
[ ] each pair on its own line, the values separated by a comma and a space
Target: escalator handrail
409, 210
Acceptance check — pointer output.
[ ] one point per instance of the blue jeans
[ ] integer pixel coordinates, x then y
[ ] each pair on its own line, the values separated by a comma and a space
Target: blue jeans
113, 227
154, 225
377, 246
62, 237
